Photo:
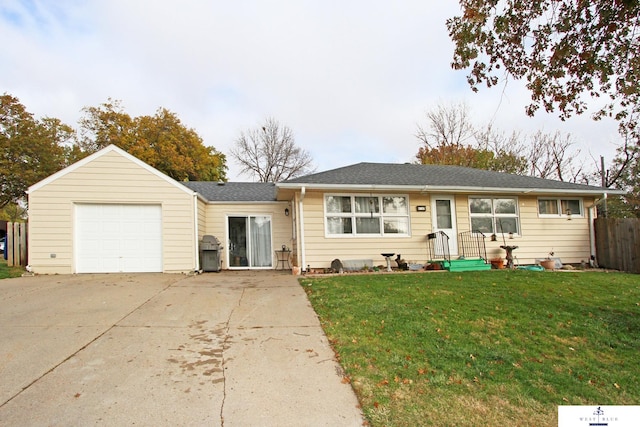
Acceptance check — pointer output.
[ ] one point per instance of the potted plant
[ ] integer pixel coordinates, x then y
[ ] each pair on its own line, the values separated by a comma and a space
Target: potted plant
548, 263
497, 262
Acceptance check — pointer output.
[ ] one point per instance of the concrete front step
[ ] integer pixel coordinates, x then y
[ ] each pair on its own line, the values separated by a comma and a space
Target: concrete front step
465, 265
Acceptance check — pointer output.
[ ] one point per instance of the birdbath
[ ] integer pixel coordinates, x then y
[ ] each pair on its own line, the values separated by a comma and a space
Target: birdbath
388, 258
509, 257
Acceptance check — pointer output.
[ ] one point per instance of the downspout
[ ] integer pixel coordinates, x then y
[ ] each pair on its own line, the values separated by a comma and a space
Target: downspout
195, 229
303, 251
593, 262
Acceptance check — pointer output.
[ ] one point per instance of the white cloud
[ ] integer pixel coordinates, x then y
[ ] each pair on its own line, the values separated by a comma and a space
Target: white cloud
351, 79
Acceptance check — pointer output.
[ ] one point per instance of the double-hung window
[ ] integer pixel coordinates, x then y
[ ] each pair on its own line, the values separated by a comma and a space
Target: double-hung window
551, 207
491, 215
360, 215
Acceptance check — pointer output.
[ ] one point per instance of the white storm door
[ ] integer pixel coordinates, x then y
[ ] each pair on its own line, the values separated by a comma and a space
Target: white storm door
118, 238
443, 218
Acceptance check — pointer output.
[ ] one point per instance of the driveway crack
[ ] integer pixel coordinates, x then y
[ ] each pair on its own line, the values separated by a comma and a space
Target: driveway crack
225, 346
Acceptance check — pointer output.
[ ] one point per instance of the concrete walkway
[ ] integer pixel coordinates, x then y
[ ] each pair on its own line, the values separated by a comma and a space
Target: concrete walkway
219, 349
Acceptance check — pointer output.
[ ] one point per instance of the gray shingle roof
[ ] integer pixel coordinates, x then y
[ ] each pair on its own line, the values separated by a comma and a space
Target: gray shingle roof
234, 191
394, 174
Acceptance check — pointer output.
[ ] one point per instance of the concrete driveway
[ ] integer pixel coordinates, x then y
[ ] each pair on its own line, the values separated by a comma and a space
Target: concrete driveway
230, 348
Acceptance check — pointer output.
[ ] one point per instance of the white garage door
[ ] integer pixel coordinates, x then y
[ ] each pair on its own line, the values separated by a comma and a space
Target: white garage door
118, 238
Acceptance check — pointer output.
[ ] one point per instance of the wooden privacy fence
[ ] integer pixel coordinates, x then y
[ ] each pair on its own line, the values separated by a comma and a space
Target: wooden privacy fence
618, 243
16, 244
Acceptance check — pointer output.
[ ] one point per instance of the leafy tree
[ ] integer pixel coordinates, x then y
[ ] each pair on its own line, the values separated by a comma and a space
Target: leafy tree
104, 125
566, 50
13, 212
30, 149
570, 53
160, 140
269, 153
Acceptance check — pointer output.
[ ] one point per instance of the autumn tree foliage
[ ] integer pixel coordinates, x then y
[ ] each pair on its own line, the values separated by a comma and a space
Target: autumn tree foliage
450, 138
269, 153
568, 52
30, 149
160, 140
572, 55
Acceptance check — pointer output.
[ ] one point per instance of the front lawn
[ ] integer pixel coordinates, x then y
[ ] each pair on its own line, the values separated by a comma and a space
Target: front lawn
483, 348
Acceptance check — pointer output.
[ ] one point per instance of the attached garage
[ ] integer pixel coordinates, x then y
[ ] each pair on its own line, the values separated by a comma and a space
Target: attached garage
110, 213
113, 238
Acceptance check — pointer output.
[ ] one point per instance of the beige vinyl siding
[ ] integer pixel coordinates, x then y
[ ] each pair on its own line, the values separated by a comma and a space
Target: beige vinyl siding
321, 250
110, 178
202, 219
281, 225
569, 240
538, 236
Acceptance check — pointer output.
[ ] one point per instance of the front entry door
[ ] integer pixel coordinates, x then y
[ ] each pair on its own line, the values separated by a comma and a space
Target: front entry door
250, 242
443, 217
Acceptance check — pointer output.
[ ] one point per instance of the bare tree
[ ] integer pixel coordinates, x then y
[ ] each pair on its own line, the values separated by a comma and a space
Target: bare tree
269, 153
450, 138
551, 156
448, 125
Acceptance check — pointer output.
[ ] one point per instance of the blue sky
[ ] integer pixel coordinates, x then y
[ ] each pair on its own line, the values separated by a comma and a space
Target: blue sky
351, 79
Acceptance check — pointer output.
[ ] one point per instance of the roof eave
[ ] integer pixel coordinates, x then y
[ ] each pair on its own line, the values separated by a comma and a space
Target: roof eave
446, 189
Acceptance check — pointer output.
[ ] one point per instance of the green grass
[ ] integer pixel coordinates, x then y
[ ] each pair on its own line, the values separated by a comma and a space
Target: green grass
483, 348
7, 272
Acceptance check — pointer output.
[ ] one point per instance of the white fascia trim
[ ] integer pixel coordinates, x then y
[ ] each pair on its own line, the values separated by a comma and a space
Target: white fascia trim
253, 203
101, 153
447, 189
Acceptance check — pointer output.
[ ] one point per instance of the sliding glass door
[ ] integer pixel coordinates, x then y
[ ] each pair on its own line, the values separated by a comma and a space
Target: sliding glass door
250, 242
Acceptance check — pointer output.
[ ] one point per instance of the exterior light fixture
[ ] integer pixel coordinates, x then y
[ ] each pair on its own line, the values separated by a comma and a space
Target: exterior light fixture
286, 211
568, 214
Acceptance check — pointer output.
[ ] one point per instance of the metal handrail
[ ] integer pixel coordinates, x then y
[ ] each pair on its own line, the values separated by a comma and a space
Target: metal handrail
438, 246
472, 244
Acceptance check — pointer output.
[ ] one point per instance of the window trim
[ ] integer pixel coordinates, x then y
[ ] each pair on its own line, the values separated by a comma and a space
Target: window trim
353, 215
560, 213
494, 216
